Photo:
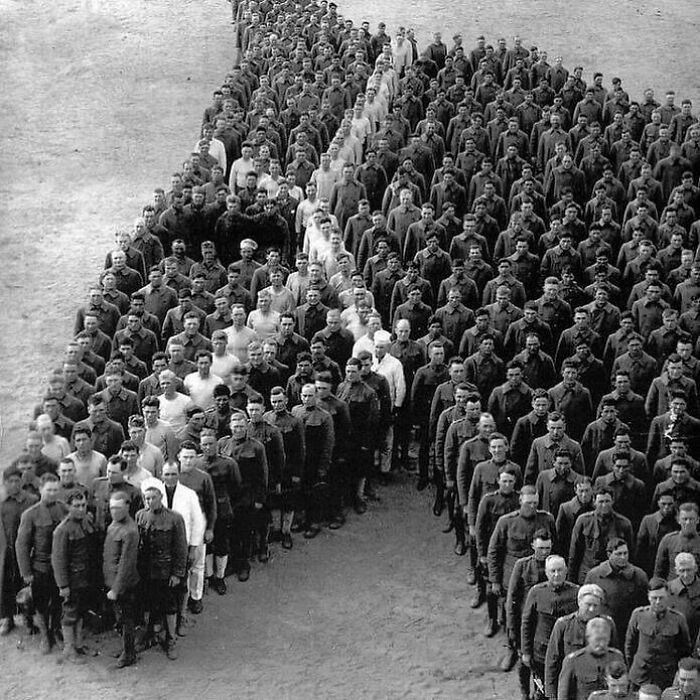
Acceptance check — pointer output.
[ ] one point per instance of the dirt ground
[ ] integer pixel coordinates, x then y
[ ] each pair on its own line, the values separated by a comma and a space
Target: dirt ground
98, 103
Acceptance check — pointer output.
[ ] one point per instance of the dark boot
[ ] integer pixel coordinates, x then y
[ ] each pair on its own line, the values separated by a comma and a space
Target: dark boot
460, 537
524, 679
128, 655
492, 611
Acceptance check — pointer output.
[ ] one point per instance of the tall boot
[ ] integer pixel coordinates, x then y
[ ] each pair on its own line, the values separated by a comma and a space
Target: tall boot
128, 655
170, 649
44, 640
492, 610
524, 680
263, 546
69, 652
460, 536
79, 647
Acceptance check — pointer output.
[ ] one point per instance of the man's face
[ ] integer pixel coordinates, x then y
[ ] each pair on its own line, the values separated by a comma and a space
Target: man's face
528, 503
555, 429
603, 504
77, 509
687, 519
658, 600
66, 473
498, 449
562, 466
97, 412
49, 492
555, 570
619, 558
688, 681
541, 548
153, 498
130, 456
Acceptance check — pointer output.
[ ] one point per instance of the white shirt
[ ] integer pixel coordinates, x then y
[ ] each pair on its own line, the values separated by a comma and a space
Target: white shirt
363, 343
202, 390
264, 324
324, 179
172, 411
392, 370
223, 365
87, 470
239, 169
162, 436
238, 341
56, 449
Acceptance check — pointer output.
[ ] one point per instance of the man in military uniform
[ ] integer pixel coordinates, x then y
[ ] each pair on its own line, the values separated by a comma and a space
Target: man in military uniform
585, 670
162, 563
592, 532
121, 576
617, 683
15, 502
102, 489
684, 591
284, 487
545, 603
457, 433
252, 464
73, 557
527, 572
686, 540
471, 453
339, 475
271, 439
363, 405
569, 634
33, 548
491, 508
511, 540
226, 479
657, 638
318, 441
687, 683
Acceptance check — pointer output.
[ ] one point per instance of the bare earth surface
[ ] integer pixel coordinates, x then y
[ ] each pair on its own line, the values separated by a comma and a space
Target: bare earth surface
98, 103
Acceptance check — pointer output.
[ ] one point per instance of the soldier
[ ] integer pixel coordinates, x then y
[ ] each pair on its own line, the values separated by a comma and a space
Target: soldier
252, 462
652, 530
457, 433
687, 683
623, 584
591, 534
684, 591
226, 479
569, 634
318, 441
120, 572
582, 502
485, 477
73, 557
33, 548
162, 563
339, 476
471, 453
200, 482
511, 540
491, 508
585, 670
686, 540
545, 603
15, 502
527, 572
102, 489
363, 405
284, 487
657, 638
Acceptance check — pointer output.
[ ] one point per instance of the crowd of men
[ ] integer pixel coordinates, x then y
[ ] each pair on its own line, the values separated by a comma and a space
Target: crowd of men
469, 252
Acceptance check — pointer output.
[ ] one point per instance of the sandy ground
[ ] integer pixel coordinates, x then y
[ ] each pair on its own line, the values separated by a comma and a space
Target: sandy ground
99, 101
